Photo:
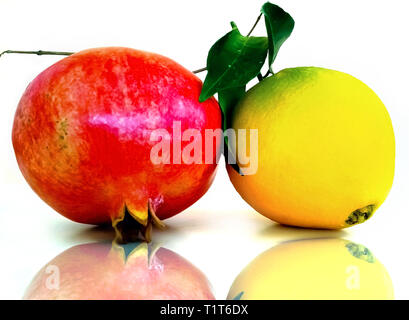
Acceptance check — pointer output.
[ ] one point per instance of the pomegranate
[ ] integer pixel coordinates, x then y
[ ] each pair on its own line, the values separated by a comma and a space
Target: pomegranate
136, 271
82, 136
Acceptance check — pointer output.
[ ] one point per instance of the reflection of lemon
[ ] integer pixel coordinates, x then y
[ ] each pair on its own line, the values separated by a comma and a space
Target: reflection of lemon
326, 148
314, 269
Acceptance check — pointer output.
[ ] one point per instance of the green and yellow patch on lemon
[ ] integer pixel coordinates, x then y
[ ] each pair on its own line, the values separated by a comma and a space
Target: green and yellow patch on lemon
326, 148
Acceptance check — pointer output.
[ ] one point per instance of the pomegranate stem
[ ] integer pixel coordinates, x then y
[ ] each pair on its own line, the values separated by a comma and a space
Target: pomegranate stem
39, 52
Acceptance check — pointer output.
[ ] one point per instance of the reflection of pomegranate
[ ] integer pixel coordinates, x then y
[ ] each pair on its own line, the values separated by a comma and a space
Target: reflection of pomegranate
82, 136
133, 271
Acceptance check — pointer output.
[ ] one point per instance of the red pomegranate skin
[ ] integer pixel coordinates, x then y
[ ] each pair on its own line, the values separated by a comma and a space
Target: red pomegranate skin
96, 271
82, 130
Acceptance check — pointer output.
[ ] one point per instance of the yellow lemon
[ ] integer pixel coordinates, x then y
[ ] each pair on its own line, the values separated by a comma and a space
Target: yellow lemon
326, 149
314, 269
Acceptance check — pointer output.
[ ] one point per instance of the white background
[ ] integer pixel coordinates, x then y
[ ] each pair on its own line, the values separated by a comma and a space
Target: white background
220, 234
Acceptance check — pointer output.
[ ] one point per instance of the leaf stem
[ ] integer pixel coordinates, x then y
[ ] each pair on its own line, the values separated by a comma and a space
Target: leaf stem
255, 24
199, 70
65, 53
39, 52
61, 53
267, 74
248, 34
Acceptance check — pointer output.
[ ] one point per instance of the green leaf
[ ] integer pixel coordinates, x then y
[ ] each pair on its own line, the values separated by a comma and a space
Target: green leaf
279, 26
228, 99
233, 61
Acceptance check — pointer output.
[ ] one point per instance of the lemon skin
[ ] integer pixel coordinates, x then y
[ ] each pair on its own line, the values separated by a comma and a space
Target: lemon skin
314, 269
326, 149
